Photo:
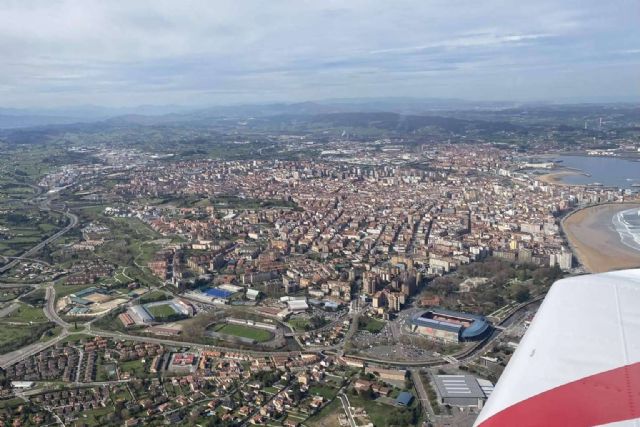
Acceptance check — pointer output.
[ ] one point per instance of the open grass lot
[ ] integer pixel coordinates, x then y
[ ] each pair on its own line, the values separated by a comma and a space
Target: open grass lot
324, 390
154, 295
9, 294
64, 290
26, 314
24, 326
135, 367
15, 336
94, 417
327, 417
8, 406
15, 190
18, 332
141, 229
161, 311
372, 325
35, 298
260, 335
26, 228
271, 390
298, 324
383, 414
130, 245
76, 338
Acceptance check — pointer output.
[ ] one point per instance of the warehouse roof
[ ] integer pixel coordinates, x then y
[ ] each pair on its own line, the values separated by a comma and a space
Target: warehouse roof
298, 305
452, 386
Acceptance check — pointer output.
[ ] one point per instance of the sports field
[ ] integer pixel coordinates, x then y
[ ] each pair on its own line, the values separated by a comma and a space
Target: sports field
161, 311
260, 335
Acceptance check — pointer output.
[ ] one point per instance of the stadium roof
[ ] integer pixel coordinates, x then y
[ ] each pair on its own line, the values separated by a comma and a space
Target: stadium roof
460, 314
431, 323
477, 327
141, 313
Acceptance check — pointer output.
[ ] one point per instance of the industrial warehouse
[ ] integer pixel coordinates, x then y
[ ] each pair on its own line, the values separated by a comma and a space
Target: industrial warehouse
450, 326
462, 390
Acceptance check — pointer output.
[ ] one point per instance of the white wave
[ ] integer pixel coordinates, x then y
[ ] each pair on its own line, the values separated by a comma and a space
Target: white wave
627, 225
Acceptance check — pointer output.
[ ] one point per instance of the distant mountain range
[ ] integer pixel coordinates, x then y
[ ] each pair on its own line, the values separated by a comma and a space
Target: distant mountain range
386, 113
149, 114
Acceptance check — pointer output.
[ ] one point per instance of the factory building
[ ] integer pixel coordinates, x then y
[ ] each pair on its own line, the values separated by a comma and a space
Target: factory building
462, 390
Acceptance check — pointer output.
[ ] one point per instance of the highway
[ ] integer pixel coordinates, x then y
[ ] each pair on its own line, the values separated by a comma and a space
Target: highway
14, 357
73, 220
50, 308
9, 359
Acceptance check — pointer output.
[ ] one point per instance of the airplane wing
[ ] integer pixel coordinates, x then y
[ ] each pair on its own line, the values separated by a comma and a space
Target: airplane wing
578, 364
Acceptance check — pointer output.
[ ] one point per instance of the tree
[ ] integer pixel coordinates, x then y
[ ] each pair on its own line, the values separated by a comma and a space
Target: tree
519, 292
367, 394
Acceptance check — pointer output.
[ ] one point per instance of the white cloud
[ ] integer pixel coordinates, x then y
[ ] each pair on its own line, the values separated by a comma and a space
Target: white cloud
90, 51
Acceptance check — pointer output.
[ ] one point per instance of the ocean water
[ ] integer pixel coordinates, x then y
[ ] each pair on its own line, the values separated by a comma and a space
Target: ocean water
627, 224
610, 171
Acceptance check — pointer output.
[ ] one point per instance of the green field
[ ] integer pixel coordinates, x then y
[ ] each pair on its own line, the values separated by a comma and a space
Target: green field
135, 367
62, 290
25, 325
325, 391
26, 314
26, 229
327, 416
161, 311
382, 414
260, 335
9, 294
154, 296
372, 325
299, 325
15, 336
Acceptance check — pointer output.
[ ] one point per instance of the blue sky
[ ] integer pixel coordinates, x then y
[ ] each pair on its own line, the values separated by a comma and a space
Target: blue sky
123, 53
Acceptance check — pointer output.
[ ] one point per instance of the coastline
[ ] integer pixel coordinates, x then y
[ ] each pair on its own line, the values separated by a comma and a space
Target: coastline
556, 177
595, 242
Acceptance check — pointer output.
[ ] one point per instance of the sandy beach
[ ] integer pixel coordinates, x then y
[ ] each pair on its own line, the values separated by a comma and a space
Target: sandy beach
594, 240
556, 177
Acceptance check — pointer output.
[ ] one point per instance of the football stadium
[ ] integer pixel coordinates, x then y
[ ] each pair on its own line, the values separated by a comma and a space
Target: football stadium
450, 326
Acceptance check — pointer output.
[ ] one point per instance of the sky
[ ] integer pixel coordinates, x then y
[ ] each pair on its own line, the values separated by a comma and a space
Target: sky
190, 52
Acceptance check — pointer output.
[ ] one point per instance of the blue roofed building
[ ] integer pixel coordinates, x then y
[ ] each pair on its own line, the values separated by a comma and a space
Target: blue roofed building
404, 399
450, 326
217, 293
